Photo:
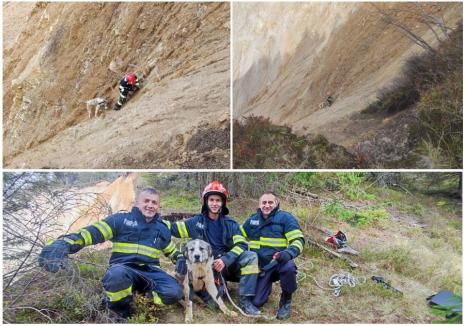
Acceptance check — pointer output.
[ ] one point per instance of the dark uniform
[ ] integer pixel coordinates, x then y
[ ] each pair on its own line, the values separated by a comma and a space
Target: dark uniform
240, 265
135, 259
279, 232
124, 88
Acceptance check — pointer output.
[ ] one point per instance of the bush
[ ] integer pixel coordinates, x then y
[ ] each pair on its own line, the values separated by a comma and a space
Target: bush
260, 144
352, 186
359, 218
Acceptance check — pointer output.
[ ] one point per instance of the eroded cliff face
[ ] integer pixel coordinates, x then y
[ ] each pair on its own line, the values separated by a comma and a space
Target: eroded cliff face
63, 54
288, 56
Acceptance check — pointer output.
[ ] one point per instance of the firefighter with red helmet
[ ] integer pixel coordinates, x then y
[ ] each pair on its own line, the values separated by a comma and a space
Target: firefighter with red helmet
127, 84
232, 259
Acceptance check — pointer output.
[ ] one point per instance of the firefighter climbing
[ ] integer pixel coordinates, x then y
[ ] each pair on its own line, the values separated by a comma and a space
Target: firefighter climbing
128, 85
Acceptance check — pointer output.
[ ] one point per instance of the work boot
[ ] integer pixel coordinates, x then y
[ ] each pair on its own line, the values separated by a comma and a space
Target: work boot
284, 310
247, 305
117, 107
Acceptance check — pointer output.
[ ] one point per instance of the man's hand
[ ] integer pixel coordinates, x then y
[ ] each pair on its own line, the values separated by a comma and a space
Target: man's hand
218, 265
282, 257
181, 266
54, 256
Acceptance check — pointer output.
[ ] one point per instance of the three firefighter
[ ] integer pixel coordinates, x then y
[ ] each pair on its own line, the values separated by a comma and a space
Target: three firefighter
268, 241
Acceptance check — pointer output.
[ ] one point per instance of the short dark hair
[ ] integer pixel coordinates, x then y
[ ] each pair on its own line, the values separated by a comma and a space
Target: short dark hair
151, 191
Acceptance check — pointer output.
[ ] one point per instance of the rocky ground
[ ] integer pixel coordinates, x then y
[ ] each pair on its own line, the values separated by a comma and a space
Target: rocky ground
67, 53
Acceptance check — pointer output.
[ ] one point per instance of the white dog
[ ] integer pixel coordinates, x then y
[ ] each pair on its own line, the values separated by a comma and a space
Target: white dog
100, 104
199, 258
322, 105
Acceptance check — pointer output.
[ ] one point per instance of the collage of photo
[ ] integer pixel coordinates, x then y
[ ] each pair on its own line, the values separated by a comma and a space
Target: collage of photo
232, 162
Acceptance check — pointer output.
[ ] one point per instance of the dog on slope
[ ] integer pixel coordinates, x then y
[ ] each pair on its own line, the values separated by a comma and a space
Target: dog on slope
99, 104
199, 258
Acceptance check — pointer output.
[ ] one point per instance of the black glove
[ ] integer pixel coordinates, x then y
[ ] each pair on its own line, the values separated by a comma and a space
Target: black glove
283, 257
54, 256
181, 266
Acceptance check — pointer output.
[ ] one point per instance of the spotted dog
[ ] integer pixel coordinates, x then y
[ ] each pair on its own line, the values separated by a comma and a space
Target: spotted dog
99, 104
199, 258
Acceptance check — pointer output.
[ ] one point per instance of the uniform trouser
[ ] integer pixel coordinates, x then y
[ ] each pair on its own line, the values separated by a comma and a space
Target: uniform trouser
244, 270
123, 95
286, 274
121, 281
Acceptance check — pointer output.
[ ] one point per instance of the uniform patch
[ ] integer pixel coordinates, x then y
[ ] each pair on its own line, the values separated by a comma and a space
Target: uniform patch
254, 222
200, 225
130, 223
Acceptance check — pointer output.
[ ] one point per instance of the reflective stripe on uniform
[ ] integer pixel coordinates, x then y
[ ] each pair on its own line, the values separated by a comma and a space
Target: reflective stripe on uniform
167, 223
182, 230
87, 237
250, 269
70, 241
105, 229
243, 231
273, 242
170, 249
238, 238
156, 299
132, 248
267, 242
116, 296
254, 244
294, 234
298, 244
237, 250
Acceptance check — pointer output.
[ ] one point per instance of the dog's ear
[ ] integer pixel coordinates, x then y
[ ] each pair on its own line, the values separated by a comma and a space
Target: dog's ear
210, 252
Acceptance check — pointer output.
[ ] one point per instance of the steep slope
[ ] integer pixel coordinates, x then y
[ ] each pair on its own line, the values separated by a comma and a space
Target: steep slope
67, 53
288, 56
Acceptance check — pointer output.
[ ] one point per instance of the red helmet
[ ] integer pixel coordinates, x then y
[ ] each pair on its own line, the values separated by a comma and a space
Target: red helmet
215, 188
131, 78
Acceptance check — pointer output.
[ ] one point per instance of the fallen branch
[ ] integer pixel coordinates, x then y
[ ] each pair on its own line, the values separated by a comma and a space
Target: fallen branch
333, 253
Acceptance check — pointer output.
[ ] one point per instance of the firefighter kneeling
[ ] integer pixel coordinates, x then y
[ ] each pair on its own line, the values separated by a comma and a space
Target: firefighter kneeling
139, 237
277, 239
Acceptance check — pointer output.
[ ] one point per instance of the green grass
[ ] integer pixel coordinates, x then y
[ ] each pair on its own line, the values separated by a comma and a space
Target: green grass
180, 201
361, 217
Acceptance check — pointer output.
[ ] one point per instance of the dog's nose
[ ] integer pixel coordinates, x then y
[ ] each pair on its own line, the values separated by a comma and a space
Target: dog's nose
197, 257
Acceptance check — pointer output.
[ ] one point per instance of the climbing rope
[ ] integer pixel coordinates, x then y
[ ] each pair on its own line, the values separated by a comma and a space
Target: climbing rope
302, 267
261, 316
337, 281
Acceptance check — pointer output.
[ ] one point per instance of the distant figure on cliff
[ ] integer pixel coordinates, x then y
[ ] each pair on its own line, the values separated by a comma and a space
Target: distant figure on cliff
327, 102
329, 99
129, 84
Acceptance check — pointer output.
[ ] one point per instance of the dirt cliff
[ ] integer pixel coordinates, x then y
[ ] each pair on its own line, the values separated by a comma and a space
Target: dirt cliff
63, 54
288, 56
